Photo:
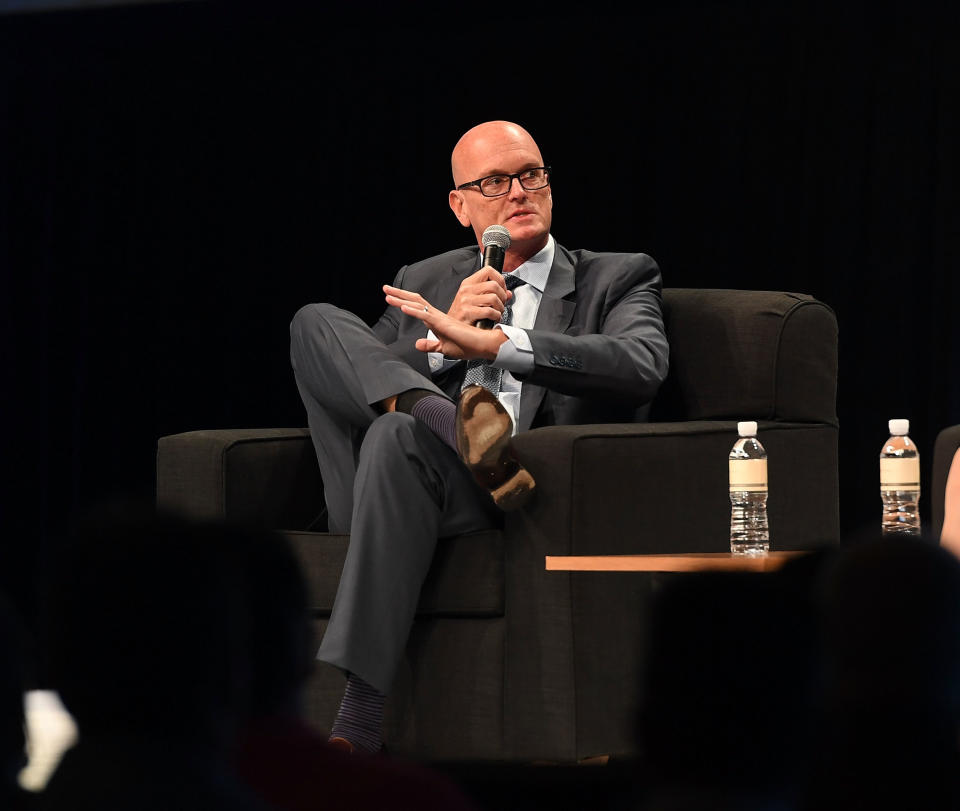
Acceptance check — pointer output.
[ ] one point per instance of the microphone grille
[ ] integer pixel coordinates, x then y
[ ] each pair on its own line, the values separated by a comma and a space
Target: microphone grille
496, 235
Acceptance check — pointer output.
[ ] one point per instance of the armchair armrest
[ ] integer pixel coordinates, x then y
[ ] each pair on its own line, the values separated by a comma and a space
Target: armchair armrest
645, 488
638, 488
260, 476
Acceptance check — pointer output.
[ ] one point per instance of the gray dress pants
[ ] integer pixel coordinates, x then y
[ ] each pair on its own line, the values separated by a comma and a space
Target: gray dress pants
388, 480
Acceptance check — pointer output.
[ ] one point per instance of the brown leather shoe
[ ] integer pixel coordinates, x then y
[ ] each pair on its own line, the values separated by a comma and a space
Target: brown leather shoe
484, 429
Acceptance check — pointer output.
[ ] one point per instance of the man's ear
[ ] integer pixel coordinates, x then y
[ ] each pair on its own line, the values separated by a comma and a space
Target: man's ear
457, 207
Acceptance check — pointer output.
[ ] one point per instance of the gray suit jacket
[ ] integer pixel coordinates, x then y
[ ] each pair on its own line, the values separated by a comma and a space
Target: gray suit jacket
600, 348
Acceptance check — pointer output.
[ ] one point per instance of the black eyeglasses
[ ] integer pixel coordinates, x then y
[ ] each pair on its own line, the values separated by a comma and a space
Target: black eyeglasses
498, 185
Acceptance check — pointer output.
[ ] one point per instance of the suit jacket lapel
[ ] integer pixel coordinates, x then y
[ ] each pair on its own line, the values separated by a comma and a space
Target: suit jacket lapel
554, 315
442, 296
448, 285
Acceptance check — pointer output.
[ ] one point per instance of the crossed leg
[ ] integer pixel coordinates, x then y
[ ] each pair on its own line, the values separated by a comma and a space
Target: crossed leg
389, 482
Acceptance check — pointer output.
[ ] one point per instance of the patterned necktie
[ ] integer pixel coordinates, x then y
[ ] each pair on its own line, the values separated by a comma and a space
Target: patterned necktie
479, 370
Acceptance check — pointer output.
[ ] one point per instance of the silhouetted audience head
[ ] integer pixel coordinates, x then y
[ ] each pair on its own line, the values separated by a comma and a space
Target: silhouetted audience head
730, 678
147, 641
892, 625
142, 619
831, 684
890, 714
181, 649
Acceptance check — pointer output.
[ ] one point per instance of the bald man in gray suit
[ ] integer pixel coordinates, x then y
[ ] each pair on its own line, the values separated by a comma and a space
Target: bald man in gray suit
407, 453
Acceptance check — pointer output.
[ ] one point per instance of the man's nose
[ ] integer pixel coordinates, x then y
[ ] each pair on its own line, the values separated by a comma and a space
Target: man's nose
516, 190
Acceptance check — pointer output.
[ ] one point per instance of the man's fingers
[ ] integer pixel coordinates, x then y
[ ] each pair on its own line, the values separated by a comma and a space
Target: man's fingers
415, 308
403, 295
420, 311
428, 345
487, 272
495, 288
489, 313
486, 295
486, 280
472, 308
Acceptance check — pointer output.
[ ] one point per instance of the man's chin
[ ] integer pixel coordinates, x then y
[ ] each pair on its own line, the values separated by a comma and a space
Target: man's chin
524, 221
528, 228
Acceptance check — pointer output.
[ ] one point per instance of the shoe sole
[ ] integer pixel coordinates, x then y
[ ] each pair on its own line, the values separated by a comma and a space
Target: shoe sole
484, 429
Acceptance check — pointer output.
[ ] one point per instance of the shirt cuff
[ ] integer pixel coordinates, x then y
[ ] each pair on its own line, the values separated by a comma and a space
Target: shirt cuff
516, 353
436, 361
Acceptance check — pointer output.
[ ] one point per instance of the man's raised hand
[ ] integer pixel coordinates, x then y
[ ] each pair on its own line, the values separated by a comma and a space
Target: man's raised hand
455, 338
482, 295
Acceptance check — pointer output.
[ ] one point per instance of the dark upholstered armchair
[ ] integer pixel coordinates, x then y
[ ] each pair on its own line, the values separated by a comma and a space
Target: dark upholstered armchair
510, 661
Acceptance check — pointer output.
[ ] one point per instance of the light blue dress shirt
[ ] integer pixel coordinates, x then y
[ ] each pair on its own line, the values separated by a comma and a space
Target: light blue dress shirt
516, 353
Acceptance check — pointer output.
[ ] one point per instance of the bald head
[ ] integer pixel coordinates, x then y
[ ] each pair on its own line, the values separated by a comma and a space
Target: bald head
477, 144
501, 148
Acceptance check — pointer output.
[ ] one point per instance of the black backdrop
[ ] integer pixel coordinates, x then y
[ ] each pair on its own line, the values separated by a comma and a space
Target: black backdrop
177, 179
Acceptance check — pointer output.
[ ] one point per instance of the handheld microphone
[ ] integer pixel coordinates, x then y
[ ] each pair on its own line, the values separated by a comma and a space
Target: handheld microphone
496, 240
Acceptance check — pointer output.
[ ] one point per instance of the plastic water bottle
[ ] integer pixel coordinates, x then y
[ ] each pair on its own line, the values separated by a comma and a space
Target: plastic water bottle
749, 532
900, 481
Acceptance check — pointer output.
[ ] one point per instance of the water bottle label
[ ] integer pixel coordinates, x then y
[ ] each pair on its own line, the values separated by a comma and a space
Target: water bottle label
900, 474
748, 475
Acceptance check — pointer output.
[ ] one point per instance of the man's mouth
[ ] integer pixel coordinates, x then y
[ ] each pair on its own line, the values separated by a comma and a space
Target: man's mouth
521, 213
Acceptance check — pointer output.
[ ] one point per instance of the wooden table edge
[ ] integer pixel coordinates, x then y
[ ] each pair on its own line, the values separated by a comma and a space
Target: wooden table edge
681, 562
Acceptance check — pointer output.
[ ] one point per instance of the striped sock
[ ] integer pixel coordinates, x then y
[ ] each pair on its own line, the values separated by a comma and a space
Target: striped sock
360, 717
435, 411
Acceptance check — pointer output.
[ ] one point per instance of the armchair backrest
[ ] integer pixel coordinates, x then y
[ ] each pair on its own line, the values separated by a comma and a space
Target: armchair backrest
748, 354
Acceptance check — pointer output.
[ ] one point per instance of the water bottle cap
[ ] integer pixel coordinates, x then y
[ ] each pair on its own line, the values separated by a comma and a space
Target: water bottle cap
899, 427
747, 428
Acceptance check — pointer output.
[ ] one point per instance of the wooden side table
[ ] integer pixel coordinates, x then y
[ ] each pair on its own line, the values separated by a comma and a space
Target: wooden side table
686, 562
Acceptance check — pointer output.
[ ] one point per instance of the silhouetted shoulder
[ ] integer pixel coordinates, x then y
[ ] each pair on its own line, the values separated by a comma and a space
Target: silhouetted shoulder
449, 259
